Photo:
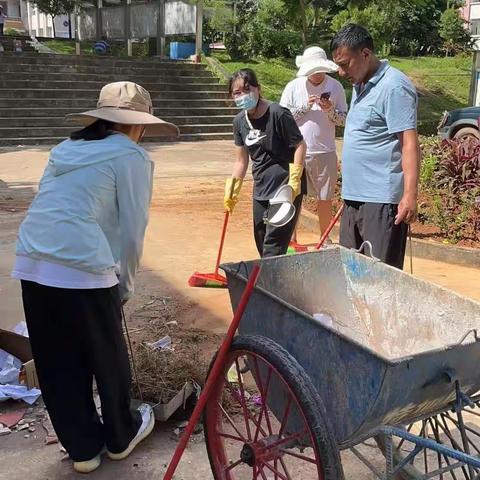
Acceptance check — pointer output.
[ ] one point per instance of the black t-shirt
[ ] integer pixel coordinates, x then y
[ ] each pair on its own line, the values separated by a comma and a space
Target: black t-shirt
271, 146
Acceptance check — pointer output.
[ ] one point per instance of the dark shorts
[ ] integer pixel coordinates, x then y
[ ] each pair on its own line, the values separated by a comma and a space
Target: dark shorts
374, 222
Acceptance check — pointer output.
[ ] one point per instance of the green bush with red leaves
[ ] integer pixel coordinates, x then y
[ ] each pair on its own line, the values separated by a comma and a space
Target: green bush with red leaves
450, 187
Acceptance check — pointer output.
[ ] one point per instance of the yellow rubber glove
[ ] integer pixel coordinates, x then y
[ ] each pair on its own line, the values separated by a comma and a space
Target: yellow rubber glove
295, 179
232, 190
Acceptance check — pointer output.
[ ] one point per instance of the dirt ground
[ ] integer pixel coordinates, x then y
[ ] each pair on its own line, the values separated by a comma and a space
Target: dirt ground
182, 237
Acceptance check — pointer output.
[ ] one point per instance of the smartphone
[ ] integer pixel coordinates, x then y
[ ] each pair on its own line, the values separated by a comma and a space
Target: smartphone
325, 95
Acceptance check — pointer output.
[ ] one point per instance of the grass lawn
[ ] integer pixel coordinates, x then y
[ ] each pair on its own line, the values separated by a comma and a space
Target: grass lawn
68, 47
442, 83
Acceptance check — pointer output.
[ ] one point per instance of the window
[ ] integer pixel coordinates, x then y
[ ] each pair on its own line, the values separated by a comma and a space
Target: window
475, 26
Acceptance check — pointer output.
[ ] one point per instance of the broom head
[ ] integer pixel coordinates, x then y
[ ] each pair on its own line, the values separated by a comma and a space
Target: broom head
207, 280
295, 247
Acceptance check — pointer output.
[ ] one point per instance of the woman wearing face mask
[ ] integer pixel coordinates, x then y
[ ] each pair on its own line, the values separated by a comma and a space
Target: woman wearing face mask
77, 253
268, 134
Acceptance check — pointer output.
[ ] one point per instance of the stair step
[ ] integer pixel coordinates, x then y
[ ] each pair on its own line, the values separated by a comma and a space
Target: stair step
30, 122
9, 58
161, 112
21, 141
107, 77
14, 132
69, 85
93, 94
86, 69
89, 103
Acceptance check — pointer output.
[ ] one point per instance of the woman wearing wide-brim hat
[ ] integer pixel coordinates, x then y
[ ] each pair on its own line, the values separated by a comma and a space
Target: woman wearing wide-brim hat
77, 253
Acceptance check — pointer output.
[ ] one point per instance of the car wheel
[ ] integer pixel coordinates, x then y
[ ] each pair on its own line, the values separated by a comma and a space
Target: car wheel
467, 132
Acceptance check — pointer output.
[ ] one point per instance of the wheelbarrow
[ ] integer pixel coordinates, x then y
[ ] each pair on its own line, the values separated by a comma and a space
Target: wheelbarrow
339, 355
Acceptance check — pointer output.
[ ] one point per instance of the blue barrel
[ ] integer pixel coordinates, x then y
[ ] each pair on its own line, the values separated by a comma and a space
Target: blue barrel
180, 50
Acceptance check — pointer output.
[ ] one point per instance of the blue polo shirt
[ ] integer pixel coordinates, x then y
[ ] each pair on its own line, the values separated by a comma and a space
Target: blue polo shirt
372, 157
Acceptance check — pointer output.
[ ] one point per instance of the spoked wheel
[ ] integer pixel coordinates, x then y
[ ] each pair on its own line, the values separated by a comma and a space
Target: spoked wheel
265, 419
461, 433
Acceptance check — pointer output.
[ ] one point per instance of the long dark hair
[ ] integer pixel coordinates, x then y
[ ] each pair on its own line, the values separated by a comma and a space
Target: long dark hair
248, 76
96, 131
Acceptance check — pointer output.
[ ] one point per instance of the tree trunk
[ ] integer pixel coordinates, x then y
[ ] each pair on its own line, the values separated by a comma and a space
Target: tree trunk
70, 26
53, 26
303, 19
316, 17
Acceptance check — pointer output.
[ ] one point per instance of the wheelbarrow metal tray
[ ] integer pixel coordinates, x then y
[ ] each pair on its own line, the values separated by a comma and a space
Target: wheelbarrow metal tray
393, 350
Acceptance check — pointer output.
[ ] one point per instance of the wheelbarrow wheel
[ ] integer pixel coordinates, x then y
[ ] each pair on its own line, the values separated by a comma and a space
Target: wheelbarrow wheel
265, 420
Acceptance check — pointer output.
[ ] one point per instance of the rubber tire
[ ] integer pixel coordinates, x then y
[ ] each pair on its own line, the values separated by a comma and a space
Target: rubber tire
467, 132
307, 396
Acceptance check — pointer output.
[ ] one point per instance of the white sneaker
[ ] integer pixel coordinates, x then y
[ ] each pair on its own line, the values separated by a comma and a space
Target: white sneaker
148, 422
88, 466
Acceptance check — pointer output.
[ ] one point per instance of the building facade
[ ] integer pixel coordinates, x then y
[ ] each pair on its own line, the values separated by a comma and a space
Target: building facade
40, 25
25, 17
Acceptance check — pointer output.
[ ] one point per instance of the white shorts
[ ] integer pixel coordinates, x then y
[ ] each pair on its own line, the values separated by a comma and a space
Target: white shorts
322, 174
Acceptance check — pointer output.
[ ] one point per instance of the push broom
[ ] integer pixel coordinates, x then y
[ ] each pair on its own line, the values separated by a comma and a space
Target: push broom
215, 279
326, 233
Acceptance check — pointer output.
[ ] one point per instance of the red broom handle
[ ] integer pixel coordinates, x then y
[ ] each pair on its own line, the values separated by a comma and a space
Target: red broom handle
329, 228
217, 367
222, 241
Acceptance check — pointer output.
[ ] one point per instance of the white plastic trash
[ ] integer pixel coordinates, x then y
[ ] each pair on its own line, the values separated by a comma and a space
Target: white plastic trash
324, 319
281, 209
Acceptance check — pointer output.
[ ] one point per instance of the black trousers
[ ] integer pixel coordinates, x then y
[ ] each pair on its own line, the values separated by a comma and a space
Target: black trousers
374, 222
272, 241
76, 336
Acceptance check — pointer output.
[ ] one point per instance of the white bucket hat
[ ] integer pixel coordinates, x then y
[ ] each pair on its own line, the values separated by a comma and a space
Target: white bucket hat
281, 209
314, 60
129, 104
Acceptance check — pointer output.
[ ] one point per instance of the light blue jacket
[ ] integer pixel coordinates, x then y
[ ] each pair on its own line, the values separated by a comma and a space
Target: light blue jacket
91, 210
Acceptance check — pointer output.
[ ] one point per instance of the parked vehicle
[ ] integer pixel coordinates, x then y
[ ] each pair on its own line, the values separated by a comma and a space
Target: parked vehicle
463, 122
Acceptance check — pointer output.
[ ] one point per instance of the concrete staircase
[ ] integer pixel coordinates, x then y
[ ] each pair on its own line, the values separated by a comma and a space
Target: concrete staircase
38, 90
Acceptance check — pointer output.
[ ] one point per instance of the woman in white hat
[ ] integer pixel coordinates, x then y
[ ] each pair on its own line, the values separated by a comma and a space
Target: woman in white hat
317, 102
77, 253
267, 134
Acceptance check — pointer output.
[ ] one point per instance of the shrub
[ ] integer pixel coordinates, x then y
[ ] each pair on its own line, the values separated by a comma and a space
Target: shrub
430, 159
259, 40
450, 184
453, 32
459, 167
12, 32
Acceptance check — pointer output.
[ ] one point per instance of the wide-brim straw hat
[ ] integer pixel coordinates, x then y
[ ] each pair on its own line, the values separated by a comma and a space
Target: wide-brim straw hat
129, 104
314, 60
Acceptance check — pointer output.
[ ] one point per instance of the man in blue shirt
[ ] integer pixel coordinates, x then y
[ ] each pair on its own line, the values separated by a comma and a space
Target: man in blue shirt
381, 155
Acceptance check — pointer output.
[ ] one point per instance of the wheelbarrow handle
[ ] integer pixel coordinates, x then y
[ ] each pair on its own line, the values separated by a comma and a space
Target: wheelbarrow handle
475, 336
363, 249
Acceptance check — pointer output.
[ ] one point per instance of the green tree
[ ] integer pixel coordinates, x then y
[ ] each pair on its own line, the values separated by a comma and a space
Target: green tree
218, 20
453, 32
54, 8
409, 27
381, 23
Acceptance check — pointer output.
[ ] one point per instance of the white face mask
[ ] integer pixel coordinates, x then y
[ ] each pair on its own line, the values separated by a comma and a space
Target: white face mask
247, 101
